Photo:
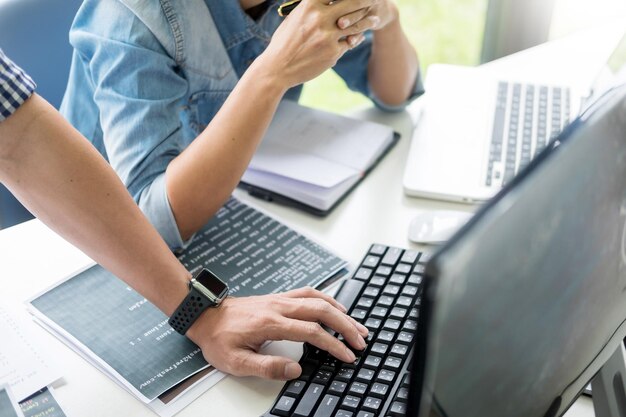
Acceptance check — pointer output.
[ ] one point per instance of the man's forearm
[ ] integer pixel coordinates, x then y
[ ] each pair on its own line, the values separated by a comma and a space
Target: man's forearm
63, 180
393, 65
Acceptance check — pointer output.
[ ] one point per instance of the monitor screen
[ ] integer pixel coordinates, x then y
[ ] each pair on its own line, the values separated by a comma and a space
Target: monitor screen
526, 302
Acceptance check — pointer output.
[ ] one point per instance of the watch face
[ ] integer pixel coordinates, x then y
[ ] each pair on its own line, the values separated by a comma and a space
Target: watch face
212, 283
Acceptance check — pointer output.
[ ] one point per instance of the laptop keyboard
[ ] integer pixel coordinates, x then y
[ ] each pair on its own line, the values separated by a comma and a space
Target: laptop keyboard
526, 118
384, 295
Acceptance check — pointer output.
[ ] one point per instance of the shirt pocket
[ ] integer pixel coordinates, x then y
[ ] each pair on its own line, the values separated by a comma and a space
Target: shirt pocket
202, 108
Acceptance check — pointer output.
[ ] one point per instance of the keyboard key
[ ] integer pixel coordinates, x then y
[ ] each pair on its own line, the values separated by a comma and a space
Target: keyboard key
399, 349
371, 292
350, 402
345, 373
398, 312
410, 325
283, 406
344, 413
392, 256
327, 406
405, 301
393, 363
365, 302
406, 379
365, 414
378, 250
415, 280
391, 289
403, 394
363, 274
372, 361
384, 270
373, 323
337, 387
330, 363
391, 324
386, 376
365, 375
358, 314
295, 388
385, 301
409, 290
409, 257
379, 312
419, 269
414, 313
372, 403
379, 348
309, 400
358, 389
405, 337
397, 409
322, 377
403, 269
397, 279
425, 257
378, 281
371, 261
386, 336
379, 389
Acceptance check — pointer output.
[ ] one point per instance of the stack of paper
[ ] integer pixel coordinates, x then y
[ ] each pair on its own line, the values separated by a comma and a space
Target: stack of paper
315, 157
24, 366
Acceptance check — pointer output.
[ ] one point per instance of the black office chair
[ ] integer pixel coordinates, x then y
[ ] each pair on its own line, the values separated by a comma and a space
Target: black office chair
34, 34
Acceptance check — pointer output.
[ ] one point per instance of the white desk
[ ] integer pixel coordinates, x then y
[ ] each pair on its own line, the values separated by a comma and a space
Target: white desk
32, 257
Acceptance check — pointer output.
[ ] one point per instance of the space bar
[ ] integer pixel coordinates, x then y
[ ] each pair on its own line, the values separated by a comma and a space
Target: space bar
349, 292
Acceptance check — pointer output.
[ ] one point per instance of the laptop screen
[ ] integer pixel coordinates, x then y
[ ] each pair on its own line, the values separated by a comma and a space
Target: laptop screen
525, 303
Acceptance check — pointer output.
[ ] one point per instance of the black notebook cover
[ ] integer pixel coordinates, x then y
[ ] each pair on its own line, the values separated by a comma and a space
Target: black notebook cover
272, 196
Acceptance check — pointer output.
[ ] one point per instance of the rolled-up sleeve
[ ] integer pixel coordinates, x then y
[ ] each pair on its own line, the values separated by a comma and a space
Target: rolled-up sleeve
15, 87
138, 92
352, 67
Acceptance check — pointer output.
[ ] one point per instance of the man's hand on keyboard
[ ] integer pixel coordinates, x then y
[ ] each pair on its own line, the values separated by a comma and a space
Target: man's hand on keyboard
231, 335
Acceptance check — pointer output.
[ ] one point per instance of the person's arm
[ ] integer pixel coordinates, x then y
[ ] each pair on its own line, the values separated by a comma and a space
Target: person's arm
304, 45
63, 180
392, 66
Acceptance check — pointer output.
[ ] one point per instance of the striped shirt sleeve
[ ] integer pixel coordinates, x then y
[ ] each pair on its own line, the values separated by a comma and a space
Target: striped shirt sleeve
15, 87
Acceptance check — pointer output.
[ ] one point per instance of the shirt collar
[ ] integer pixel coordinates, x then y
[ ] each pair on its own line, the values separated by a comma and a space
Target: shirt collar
233, 24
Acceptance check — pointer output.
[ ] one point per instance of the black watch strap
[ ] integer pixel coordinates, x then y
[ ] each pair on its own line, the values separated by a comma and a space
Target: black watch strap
189, 310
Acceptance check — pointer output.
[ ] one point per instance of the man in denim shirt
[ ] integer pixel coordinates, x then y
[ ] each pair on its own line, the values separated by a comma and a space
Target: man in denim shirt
177, 94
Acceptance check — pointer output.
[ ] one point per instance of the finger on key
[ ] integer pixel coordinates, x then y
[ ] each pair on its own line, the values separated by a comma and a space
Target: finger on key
316, 310
313, 333
308, 292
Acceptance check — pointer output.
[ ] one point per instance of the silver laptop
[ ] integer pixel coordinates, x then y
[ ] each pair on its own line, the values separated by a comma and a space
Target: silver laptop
476, 131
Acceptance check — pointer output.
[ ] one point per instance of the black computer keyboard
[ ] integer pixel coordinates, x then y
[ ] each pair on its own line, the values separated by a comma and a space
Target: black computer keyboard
384, 295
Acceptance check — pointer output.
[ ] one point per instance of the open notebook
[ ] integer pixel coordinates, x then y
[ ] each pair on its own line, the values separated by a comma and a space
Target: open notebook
311, 158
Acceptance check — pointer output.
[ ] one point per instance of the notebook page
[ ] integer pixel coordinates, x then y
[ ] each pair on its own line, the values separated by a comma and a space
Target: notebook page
350, 142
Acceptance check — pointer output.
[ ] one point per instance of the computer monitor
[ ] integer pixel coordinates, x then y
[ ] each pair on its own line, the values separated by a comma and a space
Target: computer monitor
525, 304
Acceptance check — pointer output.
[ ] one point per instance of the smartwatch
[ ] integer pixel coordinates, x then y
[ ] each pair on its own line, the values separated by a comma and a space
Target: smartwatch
205, 290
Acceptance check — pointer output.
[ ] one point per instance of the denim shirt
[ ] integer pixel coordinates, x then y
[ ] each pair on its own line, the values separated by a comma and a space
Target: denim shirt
148, 76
